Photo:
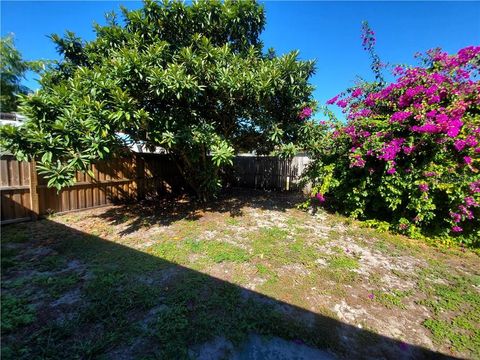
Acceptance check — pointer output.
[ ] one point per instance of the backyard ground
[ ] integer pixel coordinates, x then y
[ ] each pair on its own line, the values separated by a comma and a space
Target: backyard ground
247, 277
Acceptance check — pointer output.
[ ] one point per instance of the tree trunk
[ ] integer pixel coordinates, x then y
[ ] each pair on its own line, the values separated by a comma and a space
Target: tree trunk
190, 174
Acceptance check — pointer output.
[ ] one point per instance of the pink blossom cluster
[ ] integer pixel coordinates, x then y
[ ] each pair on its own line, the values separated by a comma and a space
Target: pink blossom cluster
305, 113
437, 106
320, 197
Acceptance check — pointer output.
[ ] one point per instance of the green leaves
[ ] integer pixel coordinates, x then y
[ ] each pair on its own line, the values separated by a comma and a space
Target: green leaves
57, 174
12, 70
167, 139
189, 78
222, 153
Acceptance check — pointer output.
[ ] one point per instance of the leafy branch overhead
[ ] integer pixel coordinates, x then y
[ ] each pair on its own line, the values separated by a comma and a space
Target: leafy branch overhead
192, 79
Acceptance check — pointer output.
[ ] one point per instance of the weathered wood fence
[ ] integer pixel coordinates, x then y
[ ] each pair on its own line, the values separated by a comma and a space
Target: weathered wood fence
269, 172
25, 195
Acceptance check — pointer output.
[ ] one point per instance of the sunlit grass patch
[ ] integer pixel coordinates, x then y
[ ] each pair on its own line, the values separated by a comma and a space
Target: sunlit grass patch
178, 251
343, 262
391, 299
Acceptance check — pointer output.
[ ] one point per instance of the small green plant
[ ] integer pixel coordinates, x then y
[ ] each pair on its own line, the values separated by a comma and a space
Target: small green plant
57, 285
392, 299
232, 221
343, 262
16, 312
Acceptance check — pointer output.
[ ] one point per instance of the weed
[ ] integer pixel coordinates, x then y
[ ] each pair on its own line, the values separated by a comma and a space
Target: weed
343, 262
16, 312
8, 258
458, 338
392, 299
232, 221
12, 234
455, 306
57, 285
217, 251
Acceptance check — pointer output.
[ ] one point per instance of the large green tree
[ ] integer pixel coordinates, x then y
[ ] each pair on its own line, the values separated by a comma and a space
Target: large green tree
193, 79
12, 71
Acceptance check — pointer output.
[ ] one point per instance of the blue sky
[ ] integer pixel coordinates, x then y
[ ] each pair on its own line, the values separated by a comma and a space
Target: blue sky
326, 31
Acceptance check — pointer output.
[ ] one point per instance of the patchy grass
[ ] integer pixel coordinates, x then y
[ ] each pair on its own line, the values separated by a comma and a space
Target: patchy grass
455, 305
16, 312
392, 299
341, 262
130, 282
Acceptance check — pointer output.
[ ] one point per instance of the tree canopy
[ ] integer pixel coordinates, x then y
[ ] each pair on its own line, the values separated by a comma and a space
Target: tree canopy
12, 70
193, 79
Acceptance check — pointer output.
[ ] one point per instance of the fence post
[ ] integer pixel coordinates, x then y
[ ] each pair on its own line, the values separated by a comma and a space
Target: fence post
34, 201
140, 174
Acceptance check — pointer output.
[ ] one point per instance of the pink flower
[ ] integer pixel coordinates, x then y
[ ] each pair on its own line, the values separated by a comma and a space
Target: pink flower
371, 296
357, 161
398, 70
456, 217
305, 113
320, 197
400, 116
423, 187
460, 145
342, 103
457, 229
357, 92
463, 209
408, 149
426, 129
475, 187
453, 132
391, 171
434, 99
470, 201
471, 141
391, 149
467, 159
332, 100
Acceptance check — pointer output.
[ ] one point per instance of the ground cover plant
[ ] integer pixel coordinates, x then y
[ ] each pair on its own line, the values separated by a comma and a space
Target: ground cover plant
175, 279
409, 153
193, 79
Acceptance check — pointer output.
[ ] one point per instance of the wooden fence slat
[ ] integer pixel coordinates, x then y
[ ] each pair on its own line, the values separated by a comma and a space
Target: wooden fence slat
33, 184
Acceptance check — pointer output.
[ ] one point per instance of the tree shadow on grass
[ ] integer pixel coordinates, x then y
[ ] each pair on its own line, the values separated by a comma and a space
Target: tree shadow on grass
89, 298
169, 209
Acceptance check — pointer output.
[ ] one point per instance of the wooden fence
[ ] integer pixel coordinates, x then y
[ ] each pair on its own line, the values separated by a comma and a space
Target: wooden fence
269, 172
25, 195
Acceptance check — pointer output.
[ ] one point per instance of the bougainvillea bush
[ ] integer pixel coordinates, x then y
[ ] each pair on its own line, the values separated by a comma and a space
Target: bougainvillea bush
409, 153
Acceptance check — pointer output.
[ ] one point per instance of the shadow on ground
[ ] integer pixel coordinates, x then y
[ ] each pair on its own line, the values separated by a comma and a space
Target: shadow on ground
169, 209
68, 294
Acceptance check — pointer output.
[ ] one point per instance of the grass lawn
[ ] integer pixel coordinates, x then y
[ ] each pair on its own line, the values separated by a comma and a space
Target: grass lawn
173, 280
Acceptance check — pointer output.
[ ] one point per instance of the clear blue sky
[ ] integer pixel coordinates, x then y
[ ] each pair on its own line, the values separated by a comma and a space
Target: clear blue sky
326, 31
